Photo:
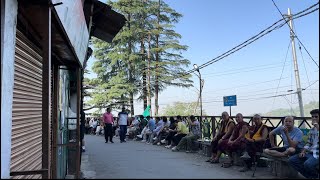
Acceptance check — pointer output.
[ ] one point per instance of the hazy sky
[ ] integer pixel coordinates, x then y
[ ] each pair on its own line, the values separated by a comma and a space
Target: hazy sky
256, 72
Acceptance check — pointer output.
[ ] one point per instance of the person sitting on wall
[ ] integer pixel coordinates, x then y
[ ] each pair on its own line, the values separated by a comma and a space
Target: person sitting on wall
193, 135
254, 140
171, 132
291, 136
307, 161
235, 142
224, 132
181, 131
163, 132
133, 127
156, 131
147, 131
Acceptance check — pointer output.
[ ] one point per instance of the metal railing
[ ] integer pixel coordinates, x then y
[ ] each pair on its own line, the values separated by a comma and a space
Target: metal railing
209, 125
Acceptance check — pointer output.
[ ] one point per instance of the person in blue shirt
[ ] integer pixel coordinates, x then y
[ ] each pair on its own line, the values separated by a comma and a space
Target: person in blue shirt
291, 136
308, 159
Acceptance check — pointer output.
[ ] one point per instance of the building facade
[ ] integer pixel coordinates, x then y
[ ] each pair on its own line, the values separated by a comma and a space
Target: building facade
44, 47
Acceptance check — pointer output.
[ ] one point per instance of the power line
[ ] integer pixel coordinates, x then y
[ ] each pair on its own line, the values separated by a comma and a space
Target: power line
281, 74
250, 84
292, 29
304, 64
245, 71
249, 41
310, 85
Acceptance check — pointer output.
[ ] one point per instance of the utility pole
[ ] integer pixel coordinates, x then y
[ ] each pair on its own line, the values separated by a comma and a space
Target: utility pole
296, 70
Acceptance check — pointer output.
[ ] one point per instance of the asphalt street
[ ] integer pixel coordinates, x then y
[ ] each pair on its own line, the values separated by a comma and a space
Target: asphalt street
137, 160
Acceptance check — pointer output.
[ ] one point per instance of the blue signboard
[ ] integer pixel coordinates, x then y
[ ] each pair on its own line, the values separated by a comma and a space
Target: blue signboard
230, 100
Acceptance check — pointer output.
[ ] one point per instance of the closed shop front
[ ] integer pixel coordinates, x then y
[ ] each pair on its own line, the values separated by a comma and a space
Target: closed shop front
26, 150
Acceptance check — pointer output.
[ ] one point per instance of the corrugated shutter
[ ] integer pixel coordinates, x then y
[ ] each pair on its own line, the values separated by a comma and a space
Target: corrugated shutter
26, 150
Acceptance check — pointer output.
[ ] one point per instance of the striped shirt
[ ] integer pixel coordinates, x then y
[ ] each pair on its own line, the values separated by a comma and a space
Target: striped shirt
313, 142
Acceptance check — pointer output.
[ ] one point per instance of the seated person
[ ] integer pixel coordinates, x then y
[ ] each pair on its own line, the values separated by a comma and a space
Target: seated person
148, 129
235, 143
156, 131
224, 132
171, 132
133, 127
307, 161
87, 126
93, 126
182, 131
163, 131
142, 122
99, 130
192, 136
115, 129
254, 139
291, 136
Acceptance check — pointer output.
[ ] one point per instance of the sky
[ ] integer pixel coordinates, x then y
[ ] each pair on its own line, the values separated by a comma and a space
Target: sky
254, 73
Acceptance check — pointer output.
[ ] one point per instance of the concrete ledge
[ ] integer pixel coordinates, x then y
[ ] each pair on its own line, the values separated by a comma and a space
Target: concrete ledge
280, 166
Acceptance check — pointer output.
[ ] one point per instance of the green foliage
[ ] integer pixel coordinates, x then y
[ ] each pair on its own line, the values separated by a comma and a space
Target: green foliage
182, 109
120, 65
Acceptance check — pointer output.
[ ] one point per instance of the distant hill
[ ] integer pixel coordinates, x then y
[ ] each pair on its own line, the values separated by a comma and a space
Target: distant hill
296, 112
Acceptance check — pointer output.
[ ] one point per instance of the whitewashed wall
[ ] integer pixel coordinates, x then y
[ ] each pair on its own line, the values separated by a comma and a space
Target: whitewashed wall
8, 39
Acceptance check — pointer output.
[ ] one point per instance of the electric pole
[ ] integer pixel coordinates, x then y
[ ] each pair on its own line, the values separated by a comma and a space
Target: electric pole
296, 70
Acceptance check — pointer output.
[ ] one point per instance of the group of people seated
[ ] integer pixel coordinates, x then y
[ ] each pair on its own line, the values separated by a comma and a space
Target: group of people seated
240, 138
93, 126
234, 138
176, 133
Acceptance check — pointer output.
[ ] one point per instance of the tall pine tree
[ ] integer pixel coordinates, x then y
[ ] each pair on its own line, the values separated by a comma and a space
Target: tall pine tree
144, 58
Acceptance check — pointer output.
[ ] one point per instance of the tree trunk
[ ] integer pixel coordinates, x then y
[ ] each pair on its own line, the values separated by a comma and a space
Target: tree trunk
144, 78
156, 100
149, 63
130, 71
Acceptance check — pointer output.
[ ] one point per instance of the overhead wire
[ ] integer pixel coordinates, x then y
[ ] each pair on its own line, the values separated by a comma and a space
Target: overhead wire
291, 30
281, 75
252, 39
304, 65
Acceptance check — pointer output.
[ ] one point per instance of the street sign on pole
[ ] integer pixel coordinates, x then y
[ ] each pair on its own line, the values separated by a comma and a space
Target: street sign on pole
230, 101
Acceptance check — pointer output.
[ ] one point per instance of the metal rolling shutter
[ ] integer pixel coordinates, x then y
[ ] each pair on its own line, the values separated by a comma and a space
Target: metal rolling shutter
26, 150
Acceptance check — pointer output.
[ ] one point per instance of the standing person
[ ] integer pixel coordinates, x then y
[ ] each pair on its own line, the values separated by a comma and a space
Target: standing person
123, 122
108, 121
308, 159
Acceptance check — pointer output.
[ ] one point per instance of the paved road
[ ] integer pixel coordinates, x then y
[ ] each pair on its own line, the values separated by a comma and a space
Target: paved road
137, 160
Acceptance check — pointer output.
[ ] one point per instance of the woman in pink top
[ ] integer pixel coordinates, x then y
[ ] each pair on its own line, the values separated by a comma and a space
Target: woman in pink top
108, 121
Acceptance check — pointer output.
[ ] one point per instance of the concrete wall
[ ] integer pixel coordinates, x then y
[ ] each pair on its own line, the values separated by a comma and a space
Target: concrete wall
8, 40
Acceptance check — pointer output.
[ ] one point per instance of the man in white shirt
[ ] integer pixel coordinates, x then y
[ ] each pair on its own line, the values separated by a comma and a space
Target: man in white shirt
123, 122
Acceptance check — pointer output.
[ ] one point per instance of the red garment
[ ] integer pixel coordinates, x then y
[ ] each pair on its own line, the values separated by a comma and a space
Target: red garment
236, 146
108, 118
